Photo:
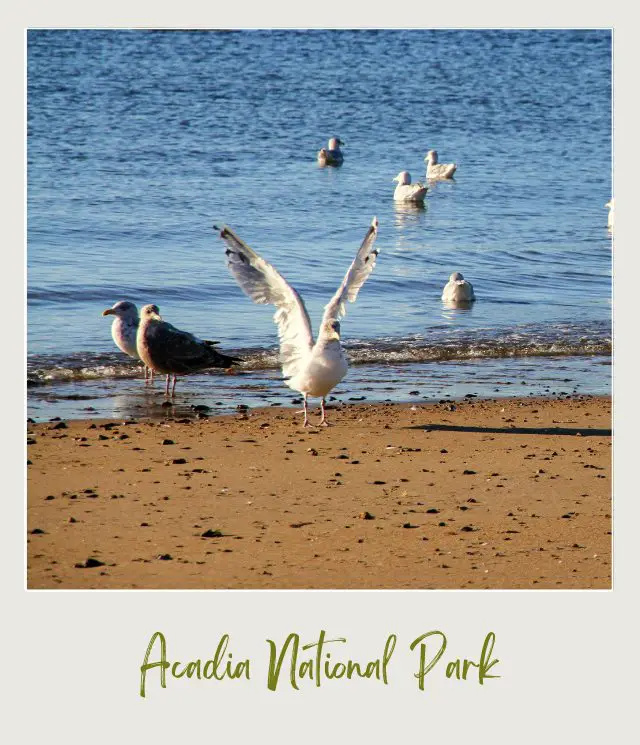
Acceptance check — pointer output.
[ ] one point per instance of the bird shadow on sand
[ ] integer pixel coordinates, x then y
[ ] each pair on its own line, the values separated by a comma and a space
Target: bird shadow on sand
584, 432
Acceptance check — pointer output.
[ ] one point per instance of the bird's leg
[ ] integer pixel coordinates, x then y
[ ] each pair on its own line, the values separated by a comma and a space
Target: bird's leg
306, 418
173, 389
166, 389
323, 420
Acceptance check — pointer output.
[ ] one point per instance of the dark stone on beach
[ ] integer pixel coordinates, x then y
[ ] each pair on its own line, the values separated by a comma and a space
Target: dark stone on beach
433, 511
468, 472
444, 450
90, 563
165, 557
37, 531
178, 461
201, 407
468, 529
409, 525
366, 516
212, 534
168, 442
59, 425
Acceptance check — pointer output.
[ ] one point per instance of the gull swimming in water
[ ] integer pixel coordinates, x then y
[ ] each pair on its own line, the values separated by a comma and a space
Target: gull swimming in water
408, 192
167, 350
610, 215
313, 369
458, 290
437, 170
331, 155
124, 330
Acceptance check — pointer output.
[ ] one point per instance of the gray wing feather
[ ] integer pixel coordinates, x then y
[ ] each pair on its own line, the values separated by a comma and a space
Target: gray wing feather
356, 276
265, 285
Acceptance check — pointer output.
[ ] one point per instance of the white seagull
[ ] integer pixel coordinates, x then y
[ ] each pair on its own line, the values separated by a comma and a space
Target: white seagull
313, 369
458, 290
610, 215
331, 155
437, 170
167, 350
125, 328
408, 192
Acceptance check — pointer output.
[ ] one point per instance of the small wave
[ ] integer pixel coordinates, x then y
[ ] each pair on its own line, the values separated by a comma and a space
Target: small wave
561, 341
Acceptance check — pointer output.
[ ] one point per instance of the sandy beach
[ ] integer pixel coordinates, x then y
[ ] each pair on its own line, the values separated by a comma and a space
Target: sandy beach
507, 493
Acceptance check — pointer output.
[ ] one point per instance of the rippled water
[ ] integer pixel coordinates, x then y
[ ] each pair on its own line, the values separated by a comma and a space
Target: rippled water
138, 141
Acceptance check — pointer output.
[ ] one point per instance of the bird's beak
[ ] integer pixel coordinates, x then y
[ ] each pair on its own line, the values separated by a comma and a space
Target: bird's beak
109, 312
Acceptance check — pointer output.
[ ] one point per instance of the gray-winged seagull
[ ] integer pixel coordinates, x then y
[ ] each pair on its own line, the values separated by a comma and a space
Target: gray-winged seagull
331, 155
170, 351
437, 170
458, 290
313, 369
406, 191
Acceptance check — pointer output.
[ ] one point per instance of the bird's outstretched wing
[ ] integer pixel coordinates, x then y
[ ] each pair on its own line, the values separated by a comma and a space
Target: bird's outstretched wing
265, 285
356, 275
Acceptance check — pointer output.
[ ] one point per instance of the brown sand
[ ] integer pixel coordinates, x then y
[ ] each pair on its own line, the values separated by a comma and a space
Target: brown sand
501, 494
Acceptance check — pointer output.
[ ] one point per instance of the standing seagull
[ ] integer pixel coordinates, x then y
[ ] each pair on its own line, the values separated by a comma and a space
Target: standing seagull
124, 329
167, 350
331, 155
408, 192
312, 369
458, 290
437, 170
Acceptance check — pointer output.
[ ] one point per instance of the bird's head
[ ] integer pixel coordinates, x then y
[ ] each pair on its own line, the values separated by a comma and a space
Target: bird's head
334, 143
150, 312
403, 178
456, 277
331, 330
122, 309
432, 157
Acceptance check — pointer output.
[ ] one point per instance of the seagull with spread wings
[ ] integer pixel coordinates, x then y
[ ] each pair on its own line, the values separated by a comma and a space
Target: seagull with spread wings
313, 369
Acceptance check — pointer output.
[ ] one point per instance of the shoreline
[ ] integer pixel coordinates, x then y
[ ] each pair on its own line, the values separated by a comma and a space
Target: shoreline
481, 493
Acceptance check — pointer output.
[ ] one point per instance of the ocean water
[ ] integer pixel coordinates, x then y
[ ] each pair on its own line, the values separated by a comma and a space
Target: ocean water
139, 141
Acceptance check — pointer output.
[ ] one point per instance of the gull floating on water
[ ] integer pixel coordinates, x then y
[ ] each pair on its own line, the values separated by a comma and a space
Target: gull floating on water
610, 215
124, 329
313, 369
458, 290
408, 192
167, 350
437, 170
331, 155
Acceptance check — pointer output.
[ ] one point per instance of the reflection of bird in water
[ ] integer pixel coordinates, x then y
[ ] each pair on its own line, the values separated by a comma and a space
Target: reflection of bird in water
406, 191
124, 329
437, 170
610, 216
458, 290
313, 369
167, 350
406, 212
331, 155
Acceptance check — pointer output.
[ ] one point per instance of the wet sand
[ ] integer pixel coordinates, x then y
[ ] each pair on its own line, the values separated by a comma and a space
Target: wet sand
508, 493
